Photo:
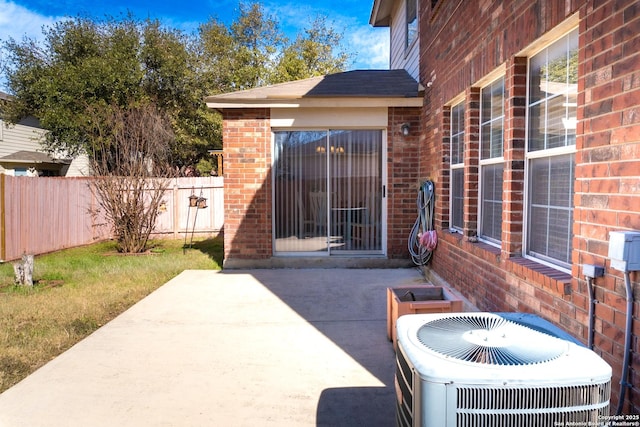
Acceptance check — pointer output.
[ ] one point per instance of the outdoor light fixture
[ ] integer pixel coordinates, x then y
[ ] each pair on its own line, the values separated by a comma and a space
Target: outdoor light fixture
404, 129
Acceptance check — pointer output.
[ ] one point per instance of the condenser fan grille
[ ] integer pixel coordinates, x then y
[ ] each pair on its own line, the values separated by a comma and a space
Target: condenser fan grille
489, 339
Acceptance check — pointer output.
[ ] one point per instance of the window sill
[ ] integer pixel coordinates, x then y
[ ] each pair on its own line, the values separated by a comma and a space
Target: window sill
549, 277
478, 248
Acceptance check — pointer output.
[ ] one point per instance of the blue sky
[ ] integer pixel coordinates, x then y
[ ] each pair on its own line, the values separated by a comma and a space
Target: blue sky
370, 45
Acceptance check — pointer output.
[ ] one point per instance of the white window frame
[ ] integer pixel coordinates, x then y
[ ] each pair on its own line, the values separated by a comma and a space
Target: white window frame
488, 162
539, 154
456, 166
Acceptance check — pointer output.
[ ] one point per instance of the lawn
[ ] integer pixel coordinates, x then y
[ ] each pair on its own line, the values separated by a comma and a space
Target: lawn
78, 290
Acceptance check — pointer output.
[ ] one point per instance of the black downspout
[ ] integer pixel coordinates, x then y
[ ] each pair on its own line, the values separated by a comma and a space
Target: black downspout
592, 310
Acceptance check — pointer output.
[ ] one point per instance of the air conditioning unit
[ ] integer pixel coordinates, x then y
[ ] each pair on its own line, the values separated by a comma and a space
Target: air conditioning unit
484, 370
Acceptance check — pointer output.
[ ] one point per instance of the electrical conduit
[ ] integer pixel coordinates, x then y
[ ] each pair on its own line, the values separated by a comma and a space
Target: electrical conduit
624, 383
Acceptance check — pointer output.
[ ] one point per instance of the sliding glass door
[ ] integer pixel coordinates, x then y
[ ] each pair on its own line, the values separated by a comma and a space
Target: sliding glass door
328, 192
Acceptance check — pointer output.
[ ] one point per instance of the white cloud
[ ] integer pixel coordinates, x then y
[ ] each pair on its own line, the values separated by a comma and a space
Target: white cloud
368, 45
293, 18
17, 22
371, 46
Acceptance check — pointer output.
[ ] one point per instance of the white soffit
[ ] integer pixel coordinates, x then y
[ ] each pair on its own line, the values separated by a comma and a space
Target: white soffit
329, 117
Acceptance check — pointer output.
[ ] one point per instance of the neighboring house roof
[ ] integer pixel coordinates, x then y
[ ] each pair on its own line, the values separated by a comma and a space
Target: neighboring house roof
32, 157
359, 88
381, 13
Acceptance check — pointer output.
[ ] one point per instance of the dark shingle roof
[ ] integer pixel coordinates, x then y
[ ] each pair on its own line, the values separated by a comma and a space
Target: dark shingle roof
379, 84
30, 157
367, 83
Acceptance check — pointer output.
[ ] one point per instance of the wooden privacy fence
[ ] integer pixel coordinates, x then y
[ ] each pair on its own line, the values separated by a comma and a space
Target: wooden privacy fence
40, 215
176, 217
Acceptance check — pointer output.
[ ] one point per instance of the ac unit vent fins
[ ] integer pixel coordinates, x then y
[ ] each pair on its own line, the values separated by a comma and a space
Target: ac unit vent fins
490, 340
533, 399
574, 418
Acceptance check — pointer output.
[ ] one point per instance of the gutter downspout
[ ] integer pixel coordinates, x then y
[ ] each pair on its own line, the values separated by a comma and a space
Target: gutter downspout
591, 272
592, 310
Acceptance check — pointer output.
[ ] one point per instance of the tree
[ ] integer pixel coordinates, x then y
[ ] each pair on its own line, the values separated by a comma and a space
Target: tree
111, 63
169, 59
79, 64
242, 55
131, 158
254, 52
316, 53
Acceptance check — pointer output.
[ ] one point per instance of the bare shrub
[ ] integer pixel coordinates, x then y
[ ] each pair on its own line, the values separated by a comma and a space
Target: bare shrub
130, 159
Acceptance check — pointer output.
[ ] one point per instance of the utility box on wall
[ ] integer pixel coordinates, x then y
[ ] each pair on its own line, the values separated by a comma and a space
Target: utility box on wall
624, 250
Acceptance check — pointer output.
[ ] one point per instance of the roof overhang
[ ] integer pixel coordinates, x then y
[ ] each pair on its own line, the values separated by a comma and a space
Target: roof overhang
32, 158
351, 89
317, 103
381, 13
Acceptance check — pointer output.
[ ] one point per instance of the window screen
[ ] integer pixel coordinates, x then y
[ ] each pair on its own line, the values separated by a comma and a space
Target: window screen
491, 160
457, 166
552, 108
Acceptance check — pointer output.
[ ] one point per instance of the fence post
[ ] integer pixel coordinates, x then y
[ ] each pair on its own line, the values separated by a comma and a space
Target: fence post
176, 210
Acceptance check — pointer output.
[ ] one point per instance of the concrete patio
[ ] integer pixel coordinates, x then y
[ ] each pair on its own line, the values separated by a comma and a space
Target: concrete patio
282, 347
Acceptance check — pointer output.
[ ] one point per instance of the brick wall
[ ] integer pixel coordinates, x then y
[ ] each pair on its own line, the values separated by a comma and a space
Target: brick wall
608, 169
247, 142
462, 43
247, 195
403, 170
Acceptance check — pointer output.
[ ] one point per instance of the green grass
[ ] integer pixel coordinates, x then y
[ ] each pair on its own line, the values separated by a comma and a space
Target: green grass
78, 290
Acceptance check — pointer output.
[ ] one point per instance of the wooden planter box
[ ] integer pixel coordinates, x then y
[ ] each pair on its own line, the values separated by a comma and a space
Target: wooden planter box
418, 300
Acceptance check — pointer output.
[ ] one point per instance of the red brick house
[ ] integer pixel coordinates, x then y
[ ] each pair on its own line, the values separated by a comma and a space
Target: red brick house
524, 114
318, 171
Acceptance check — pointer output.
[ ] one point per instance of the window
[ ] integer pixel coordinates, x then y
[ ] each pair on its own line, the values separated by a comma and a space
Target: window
456, 191
551, 138
491, 160
412, 21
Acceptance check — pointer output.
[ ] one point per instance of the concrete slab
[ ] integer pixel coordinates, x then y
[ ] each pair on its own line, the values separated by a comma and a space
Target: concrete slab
285, 347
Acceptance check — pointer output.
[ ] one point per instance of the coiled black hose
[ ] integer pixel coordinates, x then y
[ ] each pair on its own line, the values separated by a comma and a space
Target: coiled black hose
421, 252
